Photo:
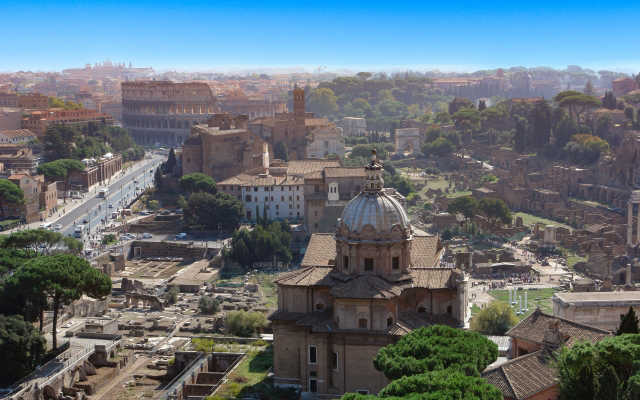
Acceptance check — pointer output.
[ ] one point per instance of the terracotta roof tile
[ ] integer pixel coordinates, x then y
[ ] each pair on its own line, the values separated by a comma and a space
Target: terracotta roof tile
321, 250
303, 167
532, 329
524, 376
18, 133
315, 317
283, 315
367, 287
425, 251
433, 278
342, 172
310, 276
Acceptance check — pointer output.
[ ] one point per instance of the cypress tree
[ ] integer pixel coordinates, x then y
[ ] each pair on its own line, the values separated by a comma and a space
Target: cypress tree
519, 139
628, 323
608, 385
257, 215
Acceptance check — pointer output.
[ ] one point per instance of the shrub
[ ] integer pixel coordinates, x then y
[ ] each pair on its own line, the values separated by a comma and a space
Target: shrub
245, 324
172, 295
208, 305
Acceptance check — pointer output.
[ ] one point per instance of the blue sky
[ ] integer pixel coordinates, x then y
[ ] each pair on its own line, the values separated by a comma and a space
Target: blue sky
217, 35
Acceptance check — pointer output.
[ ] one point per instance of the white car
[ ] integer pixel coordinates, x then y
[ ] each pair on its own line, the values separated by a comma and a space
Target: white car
147, 235
58, 227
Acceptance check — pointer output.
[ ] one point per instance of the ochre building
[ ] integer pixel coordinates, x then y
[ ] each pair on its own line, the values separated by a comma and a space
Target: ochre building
358, 291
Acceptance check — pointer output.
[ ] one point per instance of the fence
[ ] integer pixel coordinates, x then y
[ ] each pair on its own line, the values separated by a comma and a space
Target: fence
226, 373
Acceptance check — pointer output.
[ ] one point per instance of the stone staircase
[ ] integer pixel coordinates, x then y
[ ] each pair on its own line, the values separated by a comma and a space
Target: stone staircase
329, 221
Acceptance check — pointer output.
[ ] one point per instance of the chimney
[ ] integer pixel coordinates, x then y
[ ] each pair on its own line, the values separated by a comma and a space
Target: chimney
553, 335
265, 158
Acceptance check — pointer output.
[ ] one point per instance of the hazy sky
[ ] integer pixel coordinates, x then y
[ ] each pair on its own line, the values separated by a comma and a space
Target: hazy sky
207, 35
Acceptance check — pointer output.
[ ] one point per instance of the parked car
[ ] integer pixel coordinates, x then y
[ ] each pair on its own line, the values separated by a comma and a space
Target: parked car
144, 212
135, 181
181, 236
76, 196
110, 205
178, 211
165, 212
147, 235
85, 221
58, 227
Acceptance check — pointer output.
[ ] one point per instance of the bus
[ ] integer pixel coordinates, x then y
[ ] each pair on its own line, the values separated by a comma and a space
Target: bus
79, 231
104, 193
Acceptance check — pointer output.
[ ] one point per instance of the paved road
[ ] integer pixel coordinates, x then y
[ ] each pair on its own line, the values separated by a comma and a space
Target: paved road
121, 190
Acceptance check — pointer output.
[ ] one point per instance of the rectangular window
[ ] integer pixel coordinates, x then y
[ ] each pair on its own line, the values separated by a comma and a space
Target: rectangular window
360, 391
290, 198
315, 225
272, 189
224, 188
368, 264
298, 213
345, 262
277, 206
297, 198
298, 206
255, 189
316, 213
290, 207
282, 197
282, 188
266, 189
317, 188
271, 198
313, 359
357, 188
277, 213
334, 361
266, 207
395, 262
230, 187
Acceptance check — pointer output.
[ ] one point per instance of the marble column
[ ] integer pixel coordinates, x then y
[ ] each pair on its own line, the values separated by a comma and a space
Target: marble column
629, 222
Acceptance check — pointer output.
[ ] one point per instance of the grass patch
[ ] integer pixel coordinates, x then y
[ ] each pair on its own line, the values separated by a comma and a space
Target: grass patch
528, 219
250, 376
474, 309
544, 295
573, 260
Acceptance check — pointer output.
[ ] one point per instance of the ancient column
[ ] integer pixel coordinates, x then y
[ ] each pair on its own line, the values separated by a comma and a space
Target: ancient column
629, 222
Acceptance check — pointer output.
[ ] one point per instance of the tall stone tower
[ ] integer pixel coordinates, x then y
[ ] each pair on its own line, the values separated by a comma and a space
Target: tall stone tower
298, 115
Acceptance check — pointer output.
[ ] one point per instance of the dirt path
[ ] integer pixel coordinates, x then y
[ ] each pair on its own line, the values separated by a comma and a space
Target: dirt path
125, 375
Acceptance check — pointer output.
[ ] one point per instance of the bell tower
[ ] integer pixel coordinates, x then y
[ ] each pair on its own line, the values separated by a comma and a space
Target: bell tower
298, 116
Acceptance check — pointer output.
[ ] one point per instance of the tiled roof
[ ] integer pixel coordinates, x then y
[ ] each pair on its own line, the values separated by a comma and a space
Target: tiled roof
432, 278
320, 250
304, 167
415, 320
283, 315
367, 287
315, 317
318, 196
310, 276
315, 121
344, 172
425, 251
18, 133
314, 175
524, 376
532, 329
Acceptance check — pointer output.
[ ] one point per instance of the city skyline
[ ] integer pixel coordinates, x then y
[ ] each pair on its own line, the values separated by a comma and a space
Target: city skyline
463, 37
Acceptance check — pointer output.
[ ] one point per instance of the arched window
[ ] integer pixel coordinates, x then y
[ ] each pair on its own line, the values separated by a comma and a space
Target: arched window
247, 198
319, 304
389, 319
422, 308
363, 321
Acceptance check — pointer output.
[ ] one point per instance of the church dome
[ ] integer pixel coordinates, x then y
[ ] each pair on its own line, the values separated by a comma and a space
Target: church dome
373, 209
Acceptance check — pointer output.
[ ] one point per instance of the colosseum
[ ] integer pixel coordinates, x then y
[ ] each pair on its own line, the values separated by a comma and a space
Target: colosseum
163, 112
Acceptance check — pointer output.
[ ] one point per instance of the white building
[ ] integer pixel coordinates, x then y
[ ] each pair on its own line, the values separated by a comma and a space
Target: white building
16, 136
325, 141
281, 79
352, 126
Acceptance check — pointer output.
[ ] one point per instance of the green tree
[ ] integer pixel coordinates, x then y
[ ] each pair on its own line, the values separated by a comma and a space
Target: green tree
56, 102
495, 209
198, 182
361, 104
565, 130
466, 205
364, 75
172, 295
213, 210
401, 183
576, 102
603, 126
608, 385
458, 103
171, 162
64, 278
628, 323
21, 348
182, 203
521, 132
323, 102
66, 166
208, 305
281, 151
441, 147
157, 177
438, 362
541, 123
482, 105
57, 139
442, 118
629, 112
153, 205
10, 193
588, 89
392, 131
495, 319
38, 242
246, 324
240, 253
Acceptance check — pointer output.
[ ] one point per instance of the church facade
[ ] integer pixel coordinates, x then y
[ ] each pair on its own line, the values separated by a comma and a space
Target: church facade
358, 291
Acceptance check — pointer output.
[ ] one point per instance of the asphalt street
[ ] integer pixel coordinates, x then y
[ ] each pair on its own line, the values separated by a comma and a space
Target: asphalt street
122, 190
